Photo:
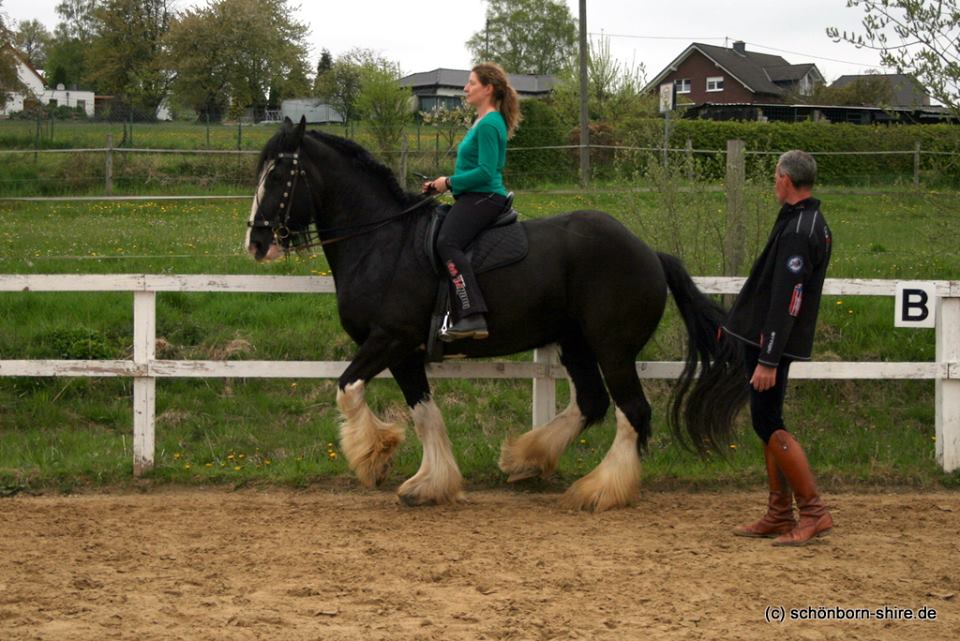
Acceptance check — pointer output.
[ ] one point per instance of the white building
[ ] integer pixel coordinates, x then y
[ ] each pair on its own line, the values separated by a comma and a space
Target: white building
315, 110
37, 91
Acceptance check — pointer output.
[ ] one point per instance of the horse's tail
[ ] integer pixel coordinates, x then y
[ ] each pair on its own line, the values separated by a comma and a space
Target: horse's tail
713, 401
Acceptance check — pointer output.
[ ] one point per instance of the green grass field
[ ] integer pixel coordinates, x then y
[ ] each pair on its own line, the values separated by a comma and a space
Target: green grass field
70, 433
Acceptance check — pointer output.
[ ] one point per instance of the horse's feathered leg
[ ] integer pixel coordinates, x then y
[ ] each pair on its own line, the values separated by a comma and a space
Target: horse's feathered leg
616, 481
538, 451
367, 442
438, 480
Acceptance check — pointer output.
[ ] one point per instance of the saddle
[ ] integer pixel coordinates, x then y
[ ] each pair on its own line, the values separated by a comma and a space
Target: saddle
503, 243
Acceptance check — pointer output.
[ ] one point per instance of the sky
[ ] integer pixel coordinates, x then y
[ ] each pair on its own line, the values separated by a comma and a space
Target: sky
423, 35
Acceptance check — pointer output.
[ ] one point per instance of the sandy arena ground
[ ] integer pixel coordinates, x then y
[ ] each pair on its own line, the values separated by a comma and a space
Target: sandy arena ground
327, 565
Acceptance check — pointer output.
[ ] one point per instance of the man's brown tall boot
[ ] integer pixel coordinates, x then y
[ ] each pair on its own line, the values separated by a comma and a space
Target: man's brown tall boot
815, 520
779, 517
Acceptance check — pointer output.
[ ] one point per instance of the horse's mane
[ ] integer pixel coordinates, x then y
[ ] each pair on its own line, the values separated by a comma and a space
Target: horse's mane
348, 148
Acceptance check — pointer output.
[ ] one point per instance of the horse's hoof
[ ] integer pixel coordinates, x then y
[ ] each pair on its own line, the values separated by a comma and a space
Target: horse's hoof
522, 475
413, 500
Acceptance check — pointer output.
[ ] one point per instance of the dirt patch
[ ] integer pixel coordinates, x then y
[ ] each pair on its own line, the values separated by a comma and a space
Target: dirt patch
286, 565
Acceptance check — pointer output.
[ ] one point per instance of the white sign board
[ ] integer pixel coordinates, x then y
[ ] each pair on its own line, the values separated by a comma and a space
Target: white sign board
916, 304
666, 97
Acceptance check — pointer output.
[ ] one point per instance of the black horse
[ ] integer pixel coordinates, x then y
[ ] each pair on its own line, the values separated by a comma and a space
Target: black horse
587, 284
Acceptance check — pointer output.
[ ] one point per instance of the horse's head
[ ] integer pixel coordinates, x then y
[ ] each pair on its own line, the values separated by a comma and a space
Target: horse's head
283, 206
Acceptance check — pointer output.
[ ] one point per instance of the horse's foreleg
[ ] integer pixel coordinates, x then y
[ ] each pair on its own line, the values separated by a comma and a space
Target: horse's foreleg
438, 480
368, 443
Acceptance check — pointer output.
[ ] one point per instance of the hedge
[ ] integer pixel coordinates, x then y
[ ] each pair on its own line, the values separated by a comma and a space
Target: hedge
811, 136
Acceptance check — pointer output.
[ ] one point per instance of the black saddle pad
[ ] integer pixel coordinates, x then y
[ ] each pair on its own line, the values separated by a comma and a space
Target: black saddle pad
502, 244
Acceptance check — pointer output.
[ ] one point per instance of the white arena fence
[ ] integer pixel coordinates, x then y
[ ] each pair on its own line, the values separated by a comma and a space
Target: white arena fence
544, 370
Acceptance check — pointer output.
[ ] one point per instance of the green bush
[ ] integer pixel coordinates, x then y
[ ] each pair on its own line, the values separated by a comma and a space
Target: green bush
866, 170
540, 128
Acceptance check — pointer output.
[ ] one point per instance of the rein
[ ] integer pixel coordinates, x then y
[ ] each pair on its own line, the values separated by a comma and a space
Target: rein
312, 235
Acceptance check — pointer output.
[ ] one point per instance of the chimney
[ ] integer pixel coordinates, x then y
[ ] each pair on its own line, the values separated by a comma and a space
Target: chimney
740, 47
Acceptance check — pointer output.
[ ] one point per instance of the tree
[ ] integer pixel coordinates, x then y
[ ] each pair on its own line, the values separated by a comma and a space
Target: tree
9, 78
385, 105
450, 122
77, 21
615, 89
342, 84
526, 36
66, 56
126, 57
919, 37
325, 62
872, 90
236, 54
33, 40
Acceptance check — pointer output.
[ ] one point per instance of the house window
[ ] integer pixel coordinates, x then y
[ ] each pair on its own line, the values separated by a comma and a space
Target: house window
53, 102
82, 104
715, 83
683, 85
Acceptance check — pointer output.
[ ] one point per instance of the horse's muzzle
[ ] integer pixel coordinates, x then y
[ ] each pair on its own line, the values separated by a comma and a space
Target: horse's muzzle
261, 255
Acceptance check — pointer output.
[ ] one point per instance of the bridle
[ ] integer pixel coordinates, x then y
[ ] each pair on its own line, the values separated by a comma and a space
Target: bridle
311, 236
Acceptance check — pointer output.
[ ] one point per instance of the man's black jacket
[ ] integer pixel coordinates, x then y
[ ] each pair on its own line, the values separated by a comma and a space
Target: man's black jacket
777, 308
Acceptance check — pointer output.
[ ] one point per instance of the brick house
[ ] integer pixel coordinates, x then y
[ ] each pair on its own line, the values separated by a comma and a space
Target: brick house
710, 74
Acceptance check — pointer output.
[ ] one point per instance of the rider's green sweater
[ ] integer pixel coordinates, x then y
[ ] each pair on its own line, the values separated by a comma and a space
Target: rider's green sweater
481, 157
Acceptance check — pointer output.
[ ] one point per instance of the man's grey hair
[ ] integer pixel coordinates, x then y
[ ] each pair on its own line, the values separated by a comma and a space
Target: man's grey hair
800, 167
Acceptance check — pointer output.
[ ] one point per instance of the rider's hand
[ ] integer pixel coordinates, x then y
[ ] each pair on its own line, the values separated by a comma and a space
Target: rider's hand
437, 186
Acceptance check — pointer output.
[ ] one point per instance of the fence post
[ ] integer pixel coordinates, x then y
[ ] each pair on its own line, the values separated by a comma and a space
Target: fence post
403, 161
735, 237
144, 387
436, 152
948, 385
689, 149
36, 155
108, 167
916, 165
544, 387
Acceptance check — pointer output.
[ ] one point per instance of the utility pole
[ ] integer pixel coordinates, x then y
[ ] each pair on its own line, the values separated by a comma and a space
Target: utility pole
486, 47
584, 97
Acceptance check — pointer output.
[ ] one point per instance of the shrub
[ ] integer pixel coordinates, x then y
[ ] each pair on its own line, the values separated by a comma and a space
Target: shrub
540, 127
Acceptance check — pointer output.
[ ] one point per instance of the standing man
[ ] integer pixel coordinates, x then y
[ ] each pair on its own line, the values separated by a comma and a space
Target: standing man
775, 316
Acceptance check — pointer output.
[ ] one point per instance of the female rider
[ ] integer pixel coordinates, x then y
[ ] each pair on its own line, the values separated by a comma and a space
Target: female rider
477, 186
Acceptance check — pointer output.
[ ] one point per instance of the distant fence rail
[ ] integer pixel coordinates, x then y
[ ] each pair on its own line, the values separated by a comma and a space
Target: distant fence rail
544, 370
688, 152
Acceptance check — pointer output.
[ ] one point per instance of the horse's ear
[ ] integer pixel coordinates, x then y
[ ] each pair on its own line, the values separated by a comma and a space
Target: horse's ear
301, 129
287, 122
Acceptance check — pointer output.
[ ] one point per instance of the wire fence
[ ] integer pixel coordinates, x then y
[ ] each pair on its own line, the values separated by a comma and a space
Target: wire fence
109, 169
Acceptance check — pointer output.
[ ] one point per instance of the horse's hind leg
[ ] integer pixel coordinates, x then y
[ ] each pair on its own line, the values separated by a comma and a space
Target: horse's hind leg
615, 482
538, 451
438, 480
